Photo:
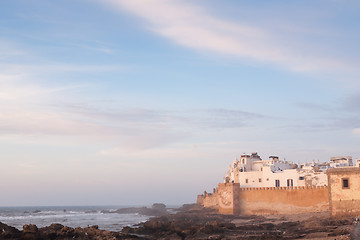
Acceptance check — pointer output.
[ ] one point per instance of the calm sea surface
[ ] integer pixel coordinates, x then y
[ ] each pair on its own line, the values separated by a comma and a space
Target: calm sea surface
69, 216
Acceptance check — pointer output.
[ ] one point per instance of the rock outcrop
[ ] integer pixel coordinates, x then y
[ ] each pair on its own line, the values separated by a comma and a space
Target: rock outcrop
7, 232
195, 223
60, 232
157, 209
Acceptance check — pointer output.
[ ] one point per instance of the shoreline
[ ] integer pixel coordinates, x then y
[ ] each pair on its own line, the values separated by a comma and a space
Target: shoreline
194, 222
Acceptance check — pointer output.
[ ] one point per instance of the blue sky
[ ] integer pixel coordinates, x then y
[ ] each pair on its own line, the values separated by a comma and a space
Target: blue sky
142, 101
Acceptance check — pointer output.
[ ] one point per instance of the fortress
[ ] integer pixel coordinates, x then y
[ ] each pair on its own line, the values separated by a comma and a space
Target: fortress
256, 186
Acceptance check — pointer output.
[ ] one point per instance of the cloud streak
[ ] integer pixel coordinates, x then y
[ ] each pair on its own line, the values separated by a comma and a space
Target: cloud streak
30, 108
23, 111
191, 26
203, 118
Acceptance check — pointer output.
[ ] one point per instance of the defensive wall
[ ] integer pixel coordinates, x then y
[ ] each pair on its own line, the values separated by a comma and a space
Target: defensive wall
209, 200
229, 198
283, 200
342, 197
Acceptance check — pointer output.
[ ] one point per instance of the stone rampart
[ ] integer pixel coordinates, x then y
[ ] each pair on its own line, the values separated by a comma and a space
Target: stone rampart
209, 200
229, 198
283, 200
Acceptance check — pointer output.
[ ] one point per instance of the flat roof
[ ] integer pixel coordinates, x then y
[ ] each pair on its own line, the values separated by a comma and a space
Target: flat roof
343, 170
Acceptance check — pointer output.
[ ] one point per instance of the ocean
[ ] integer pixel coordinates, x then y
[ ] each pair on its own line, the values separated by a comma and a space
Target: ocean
77, 216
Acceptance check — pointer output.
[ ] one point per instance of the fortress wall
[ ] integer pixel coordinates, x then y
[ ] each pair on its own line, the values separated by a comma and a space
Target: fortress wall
208, 200
283, 200
228, 198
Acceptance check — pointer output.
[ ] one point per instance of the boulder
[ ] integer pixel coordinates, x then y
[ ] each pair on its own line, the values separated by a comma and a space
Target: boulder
30, 231
8, 232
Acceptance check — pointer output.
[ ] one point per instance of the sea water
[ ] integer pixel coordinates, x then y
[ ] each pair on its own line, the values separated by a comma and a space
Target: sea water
82, 216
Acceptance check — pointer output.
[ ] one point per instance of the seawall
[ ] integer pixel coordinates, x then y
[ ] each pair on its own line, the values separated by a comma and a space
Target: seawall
267, 200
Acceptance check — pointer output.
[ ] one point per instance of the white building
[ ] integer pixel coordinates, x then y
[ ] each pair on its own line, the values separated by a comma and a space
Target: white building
342, 161
357, 163
252, 171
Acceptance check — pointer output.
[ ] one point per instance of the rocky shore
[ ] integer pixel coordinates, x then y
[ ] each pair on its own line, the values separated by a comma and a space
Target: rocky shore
157, 209
194, 222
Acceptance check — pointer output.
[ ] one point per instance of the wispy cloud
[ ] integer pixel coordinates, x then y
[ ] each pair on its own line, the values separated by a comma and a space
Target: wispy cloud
8, 50
22, 111
315, 107
138, 129
172, 152
28, 107
198, 118
39, 123
191, 26
24, 99
340, 115
14, 90
96, 46
356, 131
61, 67
351, 103
225, 118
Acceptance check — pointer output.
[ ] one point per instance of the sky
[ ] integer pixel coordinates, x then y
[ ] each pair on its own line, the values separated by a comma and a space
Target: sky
131, 102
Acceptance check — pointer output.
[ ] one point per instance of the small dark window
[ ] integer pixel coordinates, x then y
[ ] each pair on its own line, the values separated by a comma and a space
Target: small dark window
290, 183
247, 180
345, 183
259, 179
277, 183
301, 178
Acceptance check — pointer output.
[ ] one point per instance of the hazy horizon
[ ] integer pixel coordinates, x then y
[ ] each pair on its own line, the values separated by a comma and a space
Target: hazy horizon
131, 102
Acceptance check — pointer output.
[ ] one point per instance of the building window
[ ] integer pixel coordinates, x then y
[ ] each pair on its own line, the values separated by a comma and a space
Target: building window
290, 183
345, 183
261, 168
267, 179
301, 178
243, 161
277, 183
246, 180
259, 179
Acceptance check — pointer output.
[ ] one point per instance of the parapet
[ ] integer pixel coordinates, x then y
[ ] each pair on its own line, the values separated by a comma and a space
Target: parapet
282, 188
343, 170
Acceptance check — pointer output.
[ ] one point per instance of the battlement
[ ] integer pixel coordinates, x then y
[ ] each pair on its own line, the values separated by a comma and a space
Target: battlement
282, 188
216, 190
